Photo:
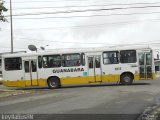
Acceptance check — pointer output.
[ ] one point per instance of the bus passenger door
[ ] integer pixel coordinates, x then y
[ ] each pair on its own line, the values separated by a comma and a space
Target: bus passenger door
94, 68
148, 65
145, 65
30, 75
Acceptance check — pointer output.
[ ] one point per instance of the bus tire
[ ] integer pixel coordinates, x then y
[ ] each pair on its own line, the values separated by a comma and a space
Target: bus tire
53, 83
126, 79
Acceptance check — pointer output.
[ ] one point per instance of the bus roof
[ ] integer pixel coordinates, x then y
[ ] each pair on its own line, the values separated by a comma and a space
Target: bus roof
77, 50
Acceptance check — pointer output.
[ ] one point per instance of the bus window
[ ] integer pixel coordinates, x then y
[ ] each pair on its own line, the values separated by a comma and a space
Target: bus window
34, 65
45, 62
156, 68
13, 63
83, 59
148, 59
90, 62
128, 56
70, 60
141, 58
110, 57
0, 62
97, 62
39, 61
26, 66
51, 61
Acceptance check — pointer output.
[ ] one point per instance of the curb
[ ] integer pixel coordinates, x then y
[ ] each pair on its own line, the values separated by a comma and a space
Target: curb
151, 113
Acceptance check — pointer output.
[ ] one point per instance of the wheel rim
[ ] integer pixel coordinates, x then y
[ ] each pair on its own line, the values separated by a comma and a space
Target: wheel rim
126, 79
53, 83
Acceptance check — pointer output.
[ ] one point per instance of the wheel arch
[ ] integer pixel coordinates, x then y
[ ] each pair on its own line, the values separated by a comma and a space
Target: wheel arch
127, 72
54, 77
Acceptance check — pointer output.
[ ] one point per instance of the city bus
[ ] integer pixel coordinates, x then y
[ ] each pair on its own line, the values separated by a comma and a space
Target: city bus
58, 68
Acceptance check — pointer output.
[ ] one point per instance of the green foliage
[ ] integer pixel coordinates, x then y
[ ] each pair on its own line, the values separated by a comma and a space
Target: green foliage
2, 9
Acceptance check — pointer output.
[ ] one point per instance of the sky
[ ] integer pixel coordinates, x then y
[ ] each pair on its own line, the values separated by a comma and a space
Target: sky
58, 24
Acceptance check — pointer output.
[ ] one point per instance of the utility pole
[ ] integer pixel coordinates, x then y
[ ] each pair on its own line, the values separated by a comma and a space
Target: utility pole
11, 26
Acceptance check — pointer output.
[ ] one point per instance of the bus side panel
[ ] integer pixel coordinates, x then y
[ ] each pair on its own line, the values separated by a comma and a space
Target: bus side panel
43, 75
74, 77
67, 77
153, 76
74, 80
17, 83
42, 82
13, 78
112, 72
136, 76
28, 82
111, 78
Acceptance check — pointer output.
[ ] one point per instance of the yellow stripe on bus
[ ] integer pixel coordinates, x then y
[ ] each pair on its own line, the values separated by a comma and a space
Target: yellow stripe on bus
70, 80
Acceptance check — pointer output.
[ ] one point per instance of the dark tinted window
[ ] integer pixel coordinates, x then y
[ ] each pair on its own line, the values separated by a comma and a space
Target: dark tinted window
69, 60
40, 61
110, 57
13, 63
90, 62
156, 68
34, 65
128, 56
51, 61
141, 58
26, 66
0, 62
97, 62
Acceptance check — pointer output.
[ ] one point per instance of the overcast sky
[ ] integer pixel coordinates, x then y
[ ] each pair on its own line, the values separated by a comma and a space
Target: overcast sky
59, 29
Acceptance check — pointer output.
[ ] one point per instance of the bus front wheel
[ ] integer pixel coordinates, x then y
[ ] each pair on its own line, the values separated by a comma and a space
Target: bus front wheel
126, 79
53, 83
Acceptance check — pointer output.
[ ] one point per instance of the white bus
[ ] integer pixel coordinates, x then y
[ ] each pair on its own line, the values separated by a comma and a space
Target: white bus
78, 66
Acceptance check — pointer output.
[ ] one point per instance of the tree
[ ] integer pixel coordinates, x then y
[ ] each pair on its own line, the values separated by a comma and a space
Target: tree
2, 9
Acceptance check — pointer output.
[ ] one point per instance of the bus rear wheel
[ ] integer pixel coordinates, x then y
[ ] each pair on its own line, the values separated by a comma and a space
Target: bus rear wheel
53, 83
126, 79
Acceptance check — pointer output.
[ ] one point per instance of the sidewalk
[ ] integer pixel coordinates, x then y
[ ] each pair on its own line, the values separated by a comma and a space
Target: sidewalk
151, 113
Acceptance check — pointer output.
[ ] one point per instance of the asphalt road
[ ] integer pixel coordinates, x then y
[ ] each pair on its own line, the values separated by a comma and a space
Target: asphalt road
109, 99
